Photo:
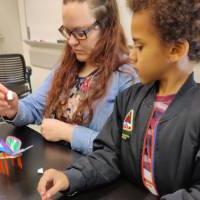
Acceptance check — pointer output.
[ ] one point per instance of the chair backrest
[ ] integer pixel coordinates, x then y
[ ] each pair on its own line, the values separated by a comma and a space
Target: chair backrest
12, 69
14, 74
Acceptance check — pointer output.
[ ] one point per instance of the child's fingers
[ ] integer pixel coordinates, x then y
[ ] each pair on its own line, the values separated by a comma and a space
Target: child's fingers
53, 190
42, 185
44, 197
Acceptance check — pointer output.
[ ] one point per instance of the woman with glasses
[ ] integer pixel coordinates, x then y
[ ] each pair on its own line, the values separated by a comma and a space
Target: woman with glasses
78, 96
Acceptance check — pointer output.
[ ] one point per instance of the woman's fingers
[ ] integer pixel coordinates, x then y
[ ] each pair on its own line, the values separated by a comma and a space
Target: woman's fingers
4, 104
2, 96
3, 89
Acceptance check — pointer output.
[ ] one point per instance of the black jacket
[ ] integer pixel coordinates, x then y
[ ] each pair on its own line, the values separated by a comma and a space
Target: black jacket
177, 150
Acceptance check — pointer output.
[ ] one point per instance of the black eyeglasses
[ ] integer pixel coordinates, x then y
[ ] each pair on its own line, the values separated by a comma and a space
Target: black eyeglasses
79, 34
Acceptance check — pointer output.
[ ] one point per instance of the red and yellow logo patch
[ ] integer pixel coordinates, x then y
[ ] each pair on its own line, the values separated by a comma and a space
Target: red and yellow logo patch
128, 125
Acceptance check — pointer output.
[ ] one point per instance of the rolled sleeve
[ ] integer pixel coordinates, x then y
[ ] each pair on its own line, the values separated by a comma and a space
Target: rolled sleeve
20, 116
82, 139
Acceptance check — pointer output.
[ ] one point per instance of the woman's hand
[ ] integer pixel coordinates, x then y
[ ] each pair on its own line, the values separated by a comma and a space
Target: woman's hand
8, 108
51, 183
55, 130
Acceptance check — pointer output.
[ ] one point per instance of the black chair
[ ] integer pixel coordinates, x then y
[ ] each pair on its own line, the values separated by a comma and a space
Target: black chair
14, 74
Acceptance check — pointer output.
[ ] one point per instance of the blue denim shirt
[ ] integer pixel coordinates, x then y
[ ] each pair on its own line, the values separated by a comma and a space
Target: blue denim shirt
31, 108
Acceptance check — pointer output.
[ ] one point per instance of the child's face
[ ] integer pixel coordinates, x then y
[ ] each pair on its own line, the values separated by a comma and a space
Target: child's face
149, 54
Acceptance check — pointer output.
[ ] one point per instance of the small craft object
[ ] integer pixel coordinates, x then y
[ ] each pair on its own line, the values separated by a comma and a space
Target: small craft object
7, 161
12, 146
10, 95
11, 152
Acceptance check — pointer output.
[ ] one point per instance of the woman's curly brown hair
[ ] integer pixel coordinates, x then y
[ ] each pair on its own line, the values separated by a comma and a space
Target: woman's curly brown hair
109, 55
175, 20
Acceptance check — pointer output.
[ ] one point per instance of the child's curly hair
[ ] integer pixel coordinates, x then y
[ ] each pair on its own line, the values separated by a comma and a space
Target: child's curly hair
175, 19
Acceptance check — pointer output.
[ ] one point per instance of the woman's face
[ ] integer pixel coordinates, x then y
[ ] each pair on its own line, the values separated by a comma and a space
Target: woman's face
78, 17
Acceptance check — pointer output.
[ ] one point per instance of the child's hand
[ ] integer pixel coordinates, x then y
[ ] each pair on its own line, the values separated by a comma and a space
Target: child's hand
8, 108
54, 130
51, 183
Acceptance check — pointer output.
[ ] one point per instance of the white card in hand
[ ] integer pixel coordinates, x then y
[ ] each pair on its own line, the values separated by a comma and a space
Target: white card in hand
10, 95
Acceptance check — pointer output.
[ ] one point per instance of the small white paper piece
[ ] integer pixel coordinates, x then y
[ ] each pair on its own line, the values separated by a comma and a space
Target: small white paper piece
10, 95
40, 171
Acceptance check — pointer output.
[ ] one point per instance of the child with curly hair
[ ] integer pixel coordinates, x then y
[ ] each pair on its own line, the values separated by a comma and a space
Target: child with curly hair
153, 134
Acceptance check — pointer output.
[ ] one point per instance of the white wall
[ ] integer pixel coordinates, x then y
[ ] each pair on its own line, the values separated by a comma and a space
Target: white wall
38, 74
10, 27
197, 73
125, 16
49, 15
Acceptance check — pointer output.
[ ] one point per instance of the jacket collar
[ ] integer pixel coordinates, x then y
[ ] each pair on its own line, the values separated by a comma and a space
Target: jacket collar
179, 103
